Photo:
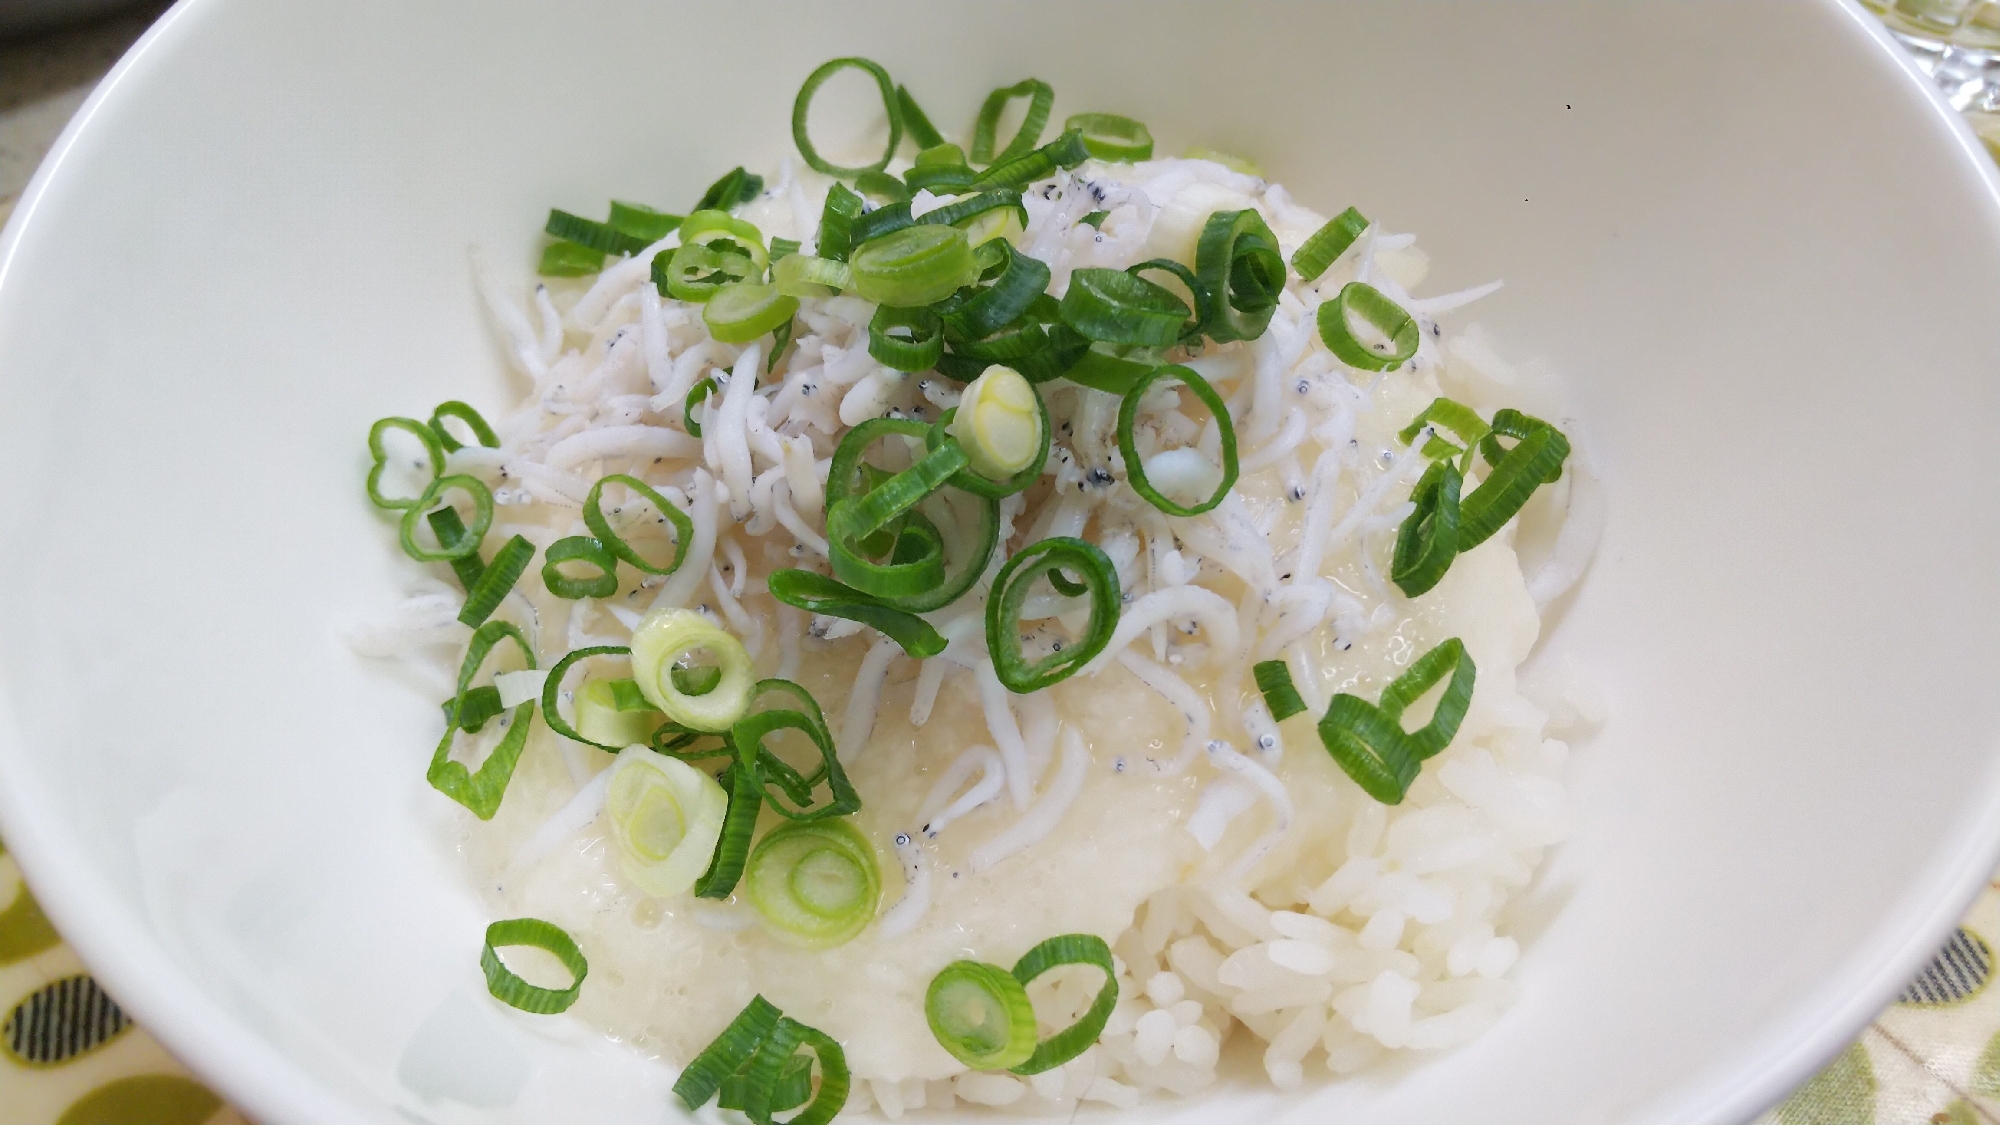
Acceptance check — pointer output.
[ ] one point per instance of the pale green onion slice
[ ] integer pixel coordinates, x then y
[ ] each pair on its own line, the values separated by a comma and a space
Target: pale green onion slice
1112, 137
603, 718
981, 1014
739, 313
802, 106
666, 637
1069, 949
666, 816
510, 989
916, 265
815, 883
803, 275
433, 451
999, 423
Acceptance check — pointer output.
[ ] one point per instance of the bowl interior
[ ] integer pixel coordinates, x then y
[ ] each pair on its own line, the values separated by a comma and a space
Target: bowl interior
1763, 258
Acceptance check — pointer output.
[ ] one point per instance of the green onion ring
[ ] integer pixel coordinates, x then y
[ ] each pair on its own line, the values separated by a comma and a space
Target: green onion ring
665, 637
1066, 151
552, 693
939, 179
918, 351
1199, 322
1128, 446
816, 593
641, 221
481, 792
883, 186
793, 1088
495, 581
1116, 307
990, 308
1112, 368
773, 1060
861, 516
960, 212
1041, 98
475, 532
1537, 460
567, 259
1000, 1035
1113, 138
935, 592
1010, 592
594, 519
1369, 743
1274, 682
836, 224
1238, 263
729, 1053
1327, 244
588, 232
1455, 416
696, 395
481, 432
735, 187
732, 849
816, 884
749, 734
580, 548
694, 272
782, 248
1428, 539
433, 448
450, 532
1387, 316
742, 311
481, 704
801, 105
884, 220
807, 275
517, 993
916, 123
1069, 949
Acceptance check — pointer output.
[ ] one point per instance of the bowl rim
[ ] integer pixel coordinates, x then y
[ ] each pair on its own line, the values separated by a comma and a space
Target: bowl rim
260, 1079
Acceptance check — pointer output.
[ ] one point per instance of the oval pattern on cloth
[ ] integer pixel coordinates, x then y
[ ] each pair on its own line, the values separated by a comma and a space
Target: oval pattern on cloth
61, 1022
1957, 974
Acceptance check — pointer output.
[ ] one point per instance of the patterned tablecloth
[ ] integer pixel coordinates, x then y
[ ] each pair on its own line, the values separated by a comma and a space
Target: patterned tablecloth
70, 1056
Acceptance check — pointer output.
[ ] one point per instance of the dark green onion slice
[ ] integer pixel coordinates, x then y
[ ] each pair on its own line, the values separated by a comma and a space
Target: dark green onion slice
475, 532
496, 581
748, 736
1386, 316
1369, 742
1241, 272
1274, 681
861, 516
836, 223
1327, 244
1128, 446
914, 120
1066, 151
939, 179
1517, 472
1112, 368
765, 1085
730, 1052
450, 532
1429, 537
906, 339
567, 259
739, 313
1069, 949
981, 1015
816, 885
732, 849
591, 233
914, 266
735, 187
802, 105
1113, 138
1095, 220
783, 248
642, 222
1199, 322
882, 186
433, 449
912, 581
584, 549
517, 993
990, 308
1041, 98
1010, 592
594, 519
781, 338
1116, 307
481, 432
884, 220
816, 593
1455, 416
793, 1088
481, 704
960, 212
552, 692
481, 792
695, 681
696, 394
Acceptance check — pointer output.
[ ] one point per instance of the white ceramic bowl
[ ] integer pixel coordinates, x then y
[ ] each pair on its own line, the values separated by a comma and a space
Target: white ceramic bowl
1767, 260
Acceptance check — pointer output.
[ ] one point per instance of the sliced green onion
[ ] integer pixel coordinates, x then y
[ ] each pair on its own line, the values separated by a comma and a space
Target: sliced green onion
915, 580
1241, 272
1199, 322
1038, 345
667, 636
433, 449
816, 885
603, 719
1003, 425
1274, 681
481, 432
739, 823
1237, 164
1387, 317
941, 155
1112, 368
804, 275
730, 1052
884, 220
1069, 949
1455, 416
802, 105
765, 1085
960, 213
696, 395
450, 532
1517, 472
481, 704
735, 187
1041, 98
607, 701
906, 339
1327, 244
783, 248
939, 179
981, 1015
793, 1087
496, 581
481, 792
836, 224
1128, 446
594, 519
1095, 220
862, 516
1369, 742
666, 817
694, 272
882, 186
914, 266
583, 549
642, 222
1429, 537
745, 310
475, 532
748, 736
1117, 307
517, 993
1113, 138
567, 259
816, 593
589, 232
1010, 592
990, 308
1066, 151
919, 126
